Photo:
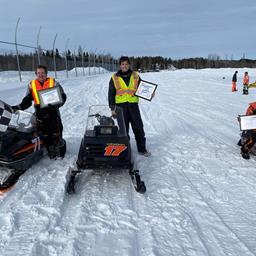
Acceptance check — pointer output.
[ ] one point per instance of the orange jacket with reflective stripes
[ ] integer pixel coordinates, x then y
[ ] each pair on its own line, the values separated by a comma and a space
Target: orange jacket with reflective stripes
126, 93
246, 80
251, 108
36, 86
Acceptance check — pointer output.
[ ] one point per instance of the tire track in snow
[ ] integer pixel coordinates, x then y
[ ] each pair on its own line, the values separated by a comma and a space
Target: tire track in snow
215, 212
81, 210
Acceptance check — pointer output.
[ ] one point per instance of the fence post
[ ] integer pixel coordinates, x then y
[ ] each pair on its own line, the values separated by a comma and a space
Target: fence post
37, 44
16, 46
89, 59
98, 64
53, 51
83, 60
66, 60
102, 62
94, 61
75, 60
109, 63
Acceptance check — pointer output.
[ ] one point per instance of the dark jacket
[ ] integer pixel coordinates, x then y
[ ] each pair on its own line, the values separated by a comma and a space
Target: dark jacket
112, 90
45, 113
234, 79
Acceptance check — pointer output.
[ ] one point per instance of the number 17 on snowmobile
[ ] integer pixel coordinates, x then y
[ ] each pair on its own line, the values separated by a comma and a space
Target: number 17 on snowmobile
105, 146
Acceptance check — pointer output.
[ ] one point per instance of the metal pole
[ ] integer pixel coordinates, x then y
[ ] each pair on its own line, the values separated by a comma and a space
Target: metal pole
89, 60
66, 60
83, 60
75, 60
94, 55
99, 54
102, 62
16, 46
53, 51
94, 69
37, 43
109, 63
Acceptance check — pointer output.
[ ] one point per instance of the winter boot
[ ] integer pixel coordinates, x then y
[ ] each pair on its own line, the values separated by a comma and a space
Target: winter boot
245, 155
145, 153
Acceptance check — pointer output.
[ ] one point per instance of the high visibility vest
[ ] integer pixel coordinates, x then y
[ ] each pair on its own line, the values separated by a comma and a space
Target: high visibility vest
36, 86
251, 108
126, 93
246, 80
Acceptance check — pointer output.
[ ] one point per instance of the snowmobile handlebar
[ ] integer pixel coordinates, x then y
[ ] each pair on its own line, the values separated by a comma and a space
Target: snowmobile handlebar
103, 120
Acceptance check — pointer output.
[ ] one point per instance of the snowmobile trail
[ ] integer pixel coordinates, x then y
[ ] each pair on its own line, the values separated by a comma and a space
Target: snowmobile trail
92, 217
200, 197
35, 203
219, 221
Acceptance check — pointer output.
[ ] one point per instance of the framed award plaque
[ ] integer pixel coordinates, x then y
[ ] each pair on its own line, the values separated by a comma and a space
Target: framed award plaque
50, 96
247, 122
146, 90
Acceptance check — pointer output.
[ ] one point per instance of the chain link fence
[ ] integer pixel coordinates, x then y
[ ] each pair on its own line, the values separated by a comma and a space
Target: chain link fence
20, 57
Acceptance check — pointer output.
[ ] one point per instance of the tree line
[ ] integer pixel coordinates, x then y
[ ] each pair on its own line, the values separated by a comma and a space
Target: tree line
157, 63
145, 63
29, 61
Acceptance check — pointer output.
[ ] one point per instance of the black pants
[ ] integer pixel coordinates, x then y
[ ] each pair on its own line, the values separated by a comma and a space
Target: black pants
249, 138
131, 114
51, 127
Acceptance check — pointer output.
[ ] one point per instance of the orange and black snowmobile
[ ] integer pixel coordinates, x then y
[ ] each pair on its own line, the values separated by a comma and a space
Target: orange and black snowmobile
105, 146
21, 145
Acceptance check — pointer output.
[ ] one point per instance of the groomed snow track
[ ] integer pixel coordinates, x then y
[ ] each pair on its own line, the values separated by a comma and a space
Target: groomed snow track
200, 197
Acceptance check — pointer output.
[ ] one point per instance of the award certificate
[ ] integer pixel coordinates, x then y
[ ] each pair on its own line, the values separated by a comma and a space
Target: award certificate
146, 90
50, 96
247, 122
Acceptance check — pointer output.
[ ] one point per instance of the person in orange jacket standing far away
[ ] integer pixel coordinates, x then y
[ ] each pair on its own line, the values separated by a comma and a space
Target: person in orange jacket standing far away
246, 83
234, 80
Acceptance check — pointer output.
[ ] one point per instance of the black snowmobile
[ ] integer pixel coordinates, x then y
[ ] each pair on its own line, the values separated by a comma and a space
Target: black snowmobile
20, 147
105, 146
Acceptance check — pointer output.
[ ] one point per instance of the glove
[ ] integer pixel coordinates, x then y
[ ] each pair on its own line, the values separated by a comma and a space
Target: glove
53, 107
15, 108
114, 114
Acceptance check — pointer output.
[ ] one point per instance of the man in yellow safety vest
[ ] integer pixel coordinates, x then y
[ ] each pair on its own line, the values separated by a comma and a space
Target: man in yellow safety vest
122, 88
48, 118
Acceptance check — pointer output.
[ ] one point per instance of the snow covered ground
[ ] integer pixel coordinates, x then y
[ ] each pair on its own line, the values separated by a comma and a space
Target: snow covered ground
200, 196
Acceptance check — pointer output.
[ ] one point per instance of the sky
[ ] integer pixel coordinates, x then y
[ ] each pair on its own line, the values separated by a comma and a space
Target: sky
171, 28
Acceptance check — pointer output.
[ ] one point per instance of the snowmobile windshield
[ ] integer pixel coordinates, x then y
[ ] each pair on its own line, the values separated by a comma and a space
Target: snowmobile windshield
101, 122
22, 121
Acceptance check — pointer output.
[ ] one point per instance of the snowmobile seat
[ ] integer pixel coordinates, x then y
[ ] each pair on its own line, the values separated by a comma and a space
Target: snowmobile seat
24, 129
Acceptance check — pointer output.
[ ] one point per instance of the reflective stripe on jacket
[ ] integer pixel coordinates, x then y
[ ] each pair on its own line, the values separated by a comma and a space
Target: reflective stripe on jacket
36, 86
246, 80
126, 93
250, 110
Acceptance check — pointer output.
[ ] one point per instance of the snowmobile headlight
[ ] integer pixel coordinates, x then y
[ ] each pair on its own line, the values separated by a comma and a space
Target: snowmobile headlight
106, 130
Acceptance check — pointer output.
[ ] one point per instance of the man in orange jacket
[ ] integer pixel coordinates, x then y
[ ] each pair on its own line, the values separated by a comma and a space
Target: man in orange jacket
234, 80
48, 118
246, 80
